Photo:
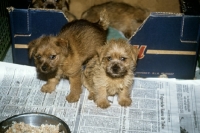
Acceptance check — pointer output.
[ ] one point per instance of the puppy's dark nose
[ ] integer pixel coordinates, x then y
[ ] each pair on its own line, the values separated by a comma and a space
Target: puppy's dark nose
115, 68
50, 6
44, 68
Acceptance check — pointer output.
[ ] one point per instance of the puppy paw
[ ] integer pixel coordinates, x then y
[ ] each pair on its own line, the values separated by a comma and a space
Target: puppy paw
102, 103
91, 96
71, 98
47, 88
125, 101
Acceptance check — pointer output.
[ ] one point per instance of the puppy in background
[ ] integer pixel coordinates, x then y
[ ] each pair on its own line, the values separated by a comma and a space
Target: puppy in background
62, 56
122, 16
55, 4
111, 72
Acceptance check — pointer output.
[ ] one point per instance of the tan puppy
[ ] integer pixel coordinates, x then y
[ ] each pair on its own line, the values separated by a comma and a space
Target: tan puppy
55, 4
111, 73
63, 55
122, 16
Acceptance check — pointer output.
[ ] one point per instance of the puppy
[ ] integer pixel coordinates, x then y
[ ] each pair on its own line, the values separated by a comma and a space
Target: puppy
62, 56
110, 73
122, 16
51, 4
54, 4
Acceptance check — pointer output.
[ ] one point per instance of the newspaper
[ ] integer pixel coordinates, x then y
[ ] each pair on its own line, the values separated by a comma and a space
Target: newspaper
159, 105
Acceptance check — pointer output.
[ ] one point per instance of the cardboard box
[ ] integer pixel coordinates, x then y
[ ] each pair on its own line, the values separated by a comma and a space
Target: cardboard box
168, 45
29, 24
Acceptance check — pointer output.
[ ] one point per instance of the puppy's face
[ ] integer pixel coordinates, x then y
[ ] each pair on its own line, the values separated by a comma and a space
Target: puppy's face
51, 4
118, 58
48, 53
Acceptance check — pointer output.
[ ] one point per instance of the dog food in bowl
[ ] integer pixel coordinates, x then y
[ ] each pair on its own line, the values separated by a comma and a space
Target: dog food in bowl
26, 128
34, 123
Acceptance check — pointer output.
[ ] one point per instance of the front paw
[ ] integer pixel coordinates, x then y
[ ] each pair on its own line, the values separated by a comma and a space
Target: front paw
102, 103
72, 97
91, 96
125, 101
47, 88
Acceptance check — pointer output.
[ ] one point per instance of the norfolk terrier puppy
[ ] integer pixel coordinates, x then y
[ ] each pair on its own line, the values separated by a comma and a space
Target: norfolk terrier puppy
122, 16
54, 4
111, 72
62, 56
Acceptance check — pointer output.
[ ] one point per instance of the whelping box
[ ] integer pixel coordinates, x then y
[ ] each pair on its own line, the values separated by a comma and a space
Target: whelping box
29, 24
168, 45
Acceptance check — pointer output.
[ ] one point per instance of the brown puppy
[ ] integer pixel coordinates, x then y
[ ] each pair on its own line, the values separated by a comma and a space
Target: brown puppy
63, 55
110, 73
55, 4
122, 16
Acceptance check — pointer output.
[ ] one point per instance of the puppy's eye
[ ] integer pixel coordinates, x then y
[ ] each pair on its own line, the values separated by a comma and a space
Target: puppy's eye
43, 0
109, 58
122, 58
38, 56
56, 0
52, 57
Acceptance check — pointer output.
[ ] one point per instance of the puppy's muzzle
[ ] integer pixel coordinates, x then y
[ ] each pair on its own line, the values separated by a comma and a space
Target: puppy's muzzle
115, 69
44, 68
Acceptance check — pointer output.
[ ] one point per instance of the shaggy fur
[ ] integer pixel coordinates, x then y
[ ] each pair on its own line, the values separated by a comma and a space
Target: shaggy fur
55, 4
63, 55
122, 16
110, 73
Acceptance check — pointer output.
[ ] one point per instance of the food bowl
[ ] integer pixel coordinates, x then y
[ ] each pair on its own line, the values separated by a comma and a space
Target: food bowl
35, 119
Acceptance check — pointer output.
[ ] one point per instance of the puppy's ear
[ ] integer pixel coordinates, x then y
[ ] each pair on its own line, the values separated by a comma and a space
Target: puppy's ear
62, 42
64, 45
135, 52
31, 47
